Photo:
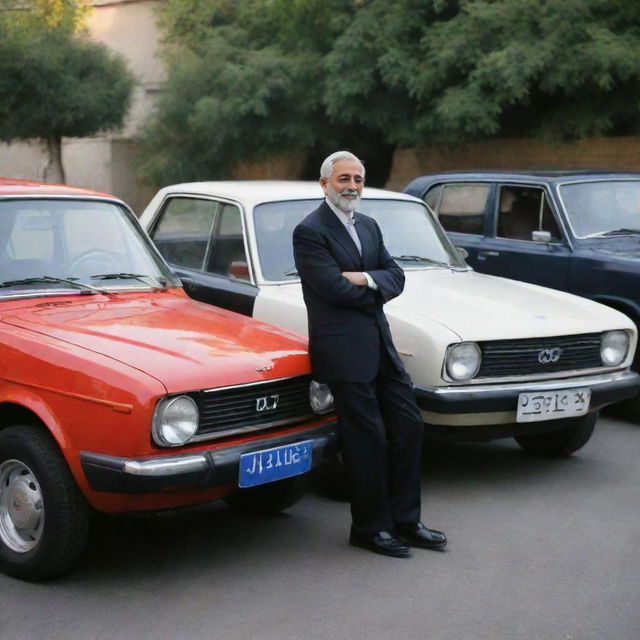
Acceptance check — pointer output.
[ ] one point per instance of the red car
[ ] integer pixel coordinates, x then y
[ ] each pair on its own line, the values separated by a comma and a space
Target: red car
120, 393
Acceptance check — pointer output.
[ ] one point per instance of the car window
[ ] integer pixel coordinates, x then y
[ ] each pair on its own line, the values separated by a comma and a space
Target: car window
461, 208
227, 255
274, 223
88, 242
31, 237
408, 230
523, 210
602, 207
183, 231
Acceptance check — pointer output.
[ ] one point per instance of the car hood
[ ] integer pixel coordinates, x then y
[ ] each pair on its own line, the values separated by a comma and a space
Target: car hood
620, 247
483, 307
184, 344
464, 305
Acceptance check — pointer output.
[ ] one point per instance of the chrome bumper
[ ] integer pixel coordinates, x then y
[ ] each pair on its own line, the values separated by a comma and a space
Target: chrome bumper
213, 467
606, 388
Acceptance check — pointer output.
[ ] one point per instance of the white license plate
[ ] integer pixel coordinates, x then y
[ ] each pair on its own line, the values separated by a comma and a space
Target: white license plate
553, 405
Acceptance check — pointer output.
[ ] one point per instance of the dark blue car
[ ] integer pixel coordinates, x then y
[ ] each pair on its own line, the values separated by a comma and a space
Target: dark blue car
574, 231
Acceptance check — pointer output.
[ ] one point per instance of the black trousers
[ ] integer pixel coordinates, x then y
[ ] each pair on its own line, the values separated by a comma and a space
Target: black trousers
381, 432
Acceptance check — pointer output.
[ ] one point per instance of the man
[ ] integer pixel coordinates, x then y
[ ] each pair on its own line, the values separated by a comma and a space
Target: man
347, 275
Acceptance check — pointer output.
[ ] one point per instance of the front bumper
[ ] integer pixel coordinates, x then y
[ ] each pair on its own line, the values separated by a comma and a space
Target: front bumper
217, 466
606, 388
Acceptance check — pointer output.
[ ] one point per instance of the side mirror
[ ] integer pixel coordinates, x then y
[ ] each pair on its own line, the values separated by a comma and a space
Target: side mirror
463, 252
541, 236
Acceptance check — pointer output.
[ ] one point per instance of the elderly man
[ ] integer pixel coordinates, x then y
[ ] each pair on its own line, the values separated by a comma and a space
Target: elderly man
347, 275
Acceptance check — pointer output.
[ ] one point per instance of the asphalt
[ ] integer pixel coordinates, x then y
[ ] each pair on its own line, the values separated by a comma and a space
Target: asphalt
539, 549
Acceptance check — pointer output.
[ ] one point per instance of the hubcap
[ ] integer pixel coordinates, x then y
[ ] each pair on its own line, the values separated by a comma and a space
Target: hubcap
21, 507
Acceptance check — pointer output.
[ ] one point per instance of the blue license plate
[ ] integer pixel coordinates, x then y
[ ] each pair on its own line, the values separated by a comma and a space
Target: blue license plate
269, 465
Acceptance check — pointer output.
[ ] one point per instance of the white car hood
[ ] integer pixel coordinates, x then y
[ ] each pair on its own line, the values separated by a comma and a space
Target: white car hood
471, 305
440, 307
477, 306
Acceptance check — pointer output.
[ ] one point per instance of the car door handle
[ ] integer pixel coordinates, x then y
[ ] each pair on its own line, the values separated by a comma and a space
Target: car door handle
483, 255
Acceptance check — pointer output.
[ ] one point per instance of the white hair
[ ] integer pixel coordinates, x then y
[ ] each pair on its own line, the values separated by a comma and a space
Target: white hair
327, 166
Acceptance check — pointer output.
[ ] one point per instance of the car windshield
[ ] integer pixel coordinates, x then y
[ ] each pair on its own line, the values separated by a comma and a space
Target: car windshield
83, 246
410, 234
603, 208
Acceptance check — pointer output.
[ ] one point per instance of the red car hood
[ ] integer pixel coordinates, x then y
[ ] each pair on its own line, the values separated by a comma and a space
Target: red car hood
184, 344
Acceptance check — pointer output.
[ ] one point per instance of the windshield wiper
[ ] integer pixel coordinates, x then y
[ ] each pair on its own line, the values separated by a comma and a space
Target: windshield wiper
407, 258
85, 288
146, 279
291, 272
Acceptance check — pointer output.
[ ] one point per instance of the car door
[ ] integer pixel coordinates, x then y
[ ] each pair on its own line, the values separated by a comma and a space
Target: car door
203, 241
525, 240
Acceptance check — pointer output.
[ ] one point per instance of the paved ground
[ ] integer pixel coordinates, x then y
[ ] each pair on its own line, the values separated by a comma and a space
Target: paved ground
538, 550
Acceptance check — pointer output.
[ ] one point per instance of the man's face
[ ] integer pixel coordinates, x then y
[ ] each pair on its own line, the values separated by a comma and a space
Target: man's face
344, 186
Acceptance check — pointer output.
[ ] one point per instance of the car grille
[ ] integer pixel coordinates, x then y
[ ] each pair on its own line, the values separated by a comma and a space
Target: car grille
251, 407
506, 358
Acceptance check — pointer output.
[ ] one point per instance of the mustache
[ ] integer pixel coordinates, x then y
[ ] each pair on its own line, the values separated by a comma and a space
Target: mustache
350, 192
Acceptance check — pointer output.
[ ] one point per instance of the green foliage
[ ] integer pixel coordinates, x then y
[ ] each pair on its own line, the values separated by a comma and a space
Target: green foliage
246, 82
549, 68
54, 83
252, 78
63, 15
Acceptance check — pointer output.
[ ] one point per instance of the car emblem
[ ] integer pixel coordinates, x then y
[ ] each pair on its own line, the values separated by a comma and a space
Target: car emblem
546, 356
265, 368
267, 403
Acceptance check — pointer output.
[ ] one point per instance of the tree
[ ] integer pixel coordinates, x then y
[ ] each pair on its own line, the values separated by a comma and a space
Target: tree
245, 82
251, 79
557, 69
54, 83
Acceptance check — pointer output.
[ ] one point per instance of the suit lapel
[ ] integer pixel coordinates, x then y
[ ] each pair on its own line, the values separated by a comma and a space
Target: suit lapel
339, 233
368, 242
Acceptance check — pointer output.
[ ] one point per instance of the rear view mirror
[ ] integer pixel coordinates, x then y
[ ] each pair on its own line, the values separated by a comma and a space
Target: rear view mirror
464, 254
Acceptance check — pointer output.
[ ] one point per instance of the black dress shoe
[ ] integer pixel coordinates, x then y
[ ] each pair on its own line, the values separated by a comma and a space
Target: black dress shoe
382, 542
417, 535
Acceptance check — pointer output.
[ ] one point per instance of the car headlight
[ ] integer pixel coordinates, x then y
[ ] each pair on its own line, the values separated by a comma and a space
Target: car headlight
175, 421
614, 347
462, 361
320, 397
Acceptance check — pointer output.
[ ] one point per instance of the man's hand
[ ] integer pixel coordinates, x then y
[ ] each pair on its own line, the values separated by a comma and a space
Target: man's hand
355, 277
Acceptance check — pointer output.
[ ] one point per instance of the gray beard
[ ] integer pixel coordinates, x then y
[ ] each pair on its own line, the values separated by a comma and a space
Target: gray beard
345, 204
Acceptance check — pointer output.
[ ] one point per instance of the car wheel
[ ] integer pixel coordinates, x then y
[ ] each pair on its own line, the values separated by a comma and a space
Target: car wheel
571, 436
44, 520
268, 498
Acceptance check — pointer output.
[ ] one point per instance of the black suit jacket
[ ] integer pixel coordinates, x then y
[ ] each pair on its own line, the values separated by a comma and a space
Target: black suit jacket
347, 327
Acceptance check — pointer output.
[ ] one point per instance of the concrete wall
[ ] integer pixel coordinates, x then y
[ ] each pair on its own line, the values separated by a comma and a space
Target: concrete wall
104, 162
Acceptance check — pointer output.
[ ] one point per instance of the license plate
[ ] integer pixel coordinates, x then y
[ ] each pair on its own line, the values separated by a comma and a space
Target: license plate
269, 465
553, 405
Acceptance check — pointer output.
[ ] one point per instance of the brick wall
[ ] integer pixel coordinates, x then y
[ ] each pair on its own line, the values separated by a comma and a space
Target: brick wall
620, 154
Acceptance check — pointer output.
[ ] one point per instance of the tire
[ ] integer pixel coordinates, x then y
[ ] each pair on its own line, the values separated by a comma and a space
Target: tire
44, 520
268, 498
571, 436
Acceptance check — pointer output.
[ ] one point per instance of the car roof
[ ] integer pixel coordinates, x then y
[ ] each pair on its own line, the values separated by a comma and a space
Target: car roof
252, 192
551, 176
12, 187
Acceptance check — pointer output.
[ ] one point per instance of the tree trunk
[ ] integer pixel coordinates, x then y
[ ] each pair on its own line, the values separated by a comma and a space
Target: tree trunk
54, 171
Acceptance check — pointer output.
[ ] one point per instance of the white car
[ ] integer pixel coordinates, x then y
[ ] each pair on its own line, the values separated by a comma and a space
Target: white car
488, 357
